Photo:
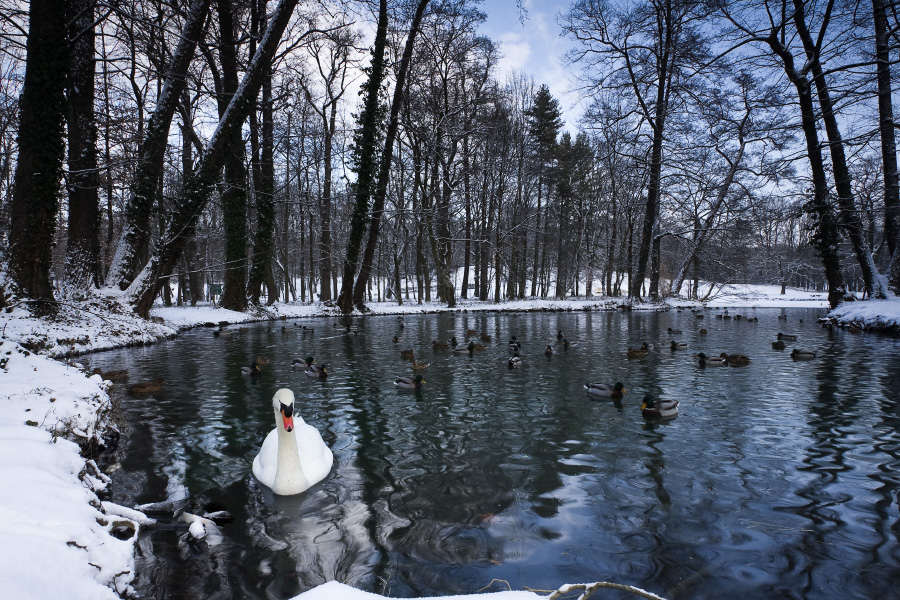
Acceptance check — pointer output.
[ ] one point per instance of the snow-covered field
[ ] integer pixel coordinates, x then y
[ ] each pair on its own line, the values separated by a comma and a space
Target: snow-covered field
59, 540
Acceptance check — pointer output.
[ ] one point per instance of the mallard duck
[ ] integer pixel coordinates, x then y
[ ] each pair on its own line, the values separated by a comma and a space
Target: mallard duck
559, 334
469, 349
738, 317
548, 351
470, 332
699, 315
476, 346
735, 360
636, 353
786, 337
514, 361
514, 343
703, 332
146, 387
797, 354
439, 345
782, 317
485, 337
409, 383
400, 322
673, 331
753, 319
298, 362
120, 375
777, 345
677, 345
656, 409
408, 354
251, 370
711, 361
314, 370
420, 366
604, 389
566, 344
647, 347
222, 333
453, 342
354, 329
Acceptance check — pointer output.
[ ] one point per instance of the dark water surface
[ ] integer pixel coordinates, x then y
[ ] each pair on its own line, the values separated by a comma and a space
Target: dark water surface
777, 480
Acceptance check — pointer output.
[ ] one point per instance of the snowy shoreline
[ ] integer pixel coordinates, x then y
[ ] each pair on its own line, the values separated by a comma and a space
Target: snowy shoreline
51, 408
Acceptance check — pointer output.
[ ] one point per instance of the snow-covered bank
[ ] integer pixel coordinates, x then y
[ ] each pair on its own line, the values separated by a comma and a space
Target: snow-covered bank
58, 539
873, 315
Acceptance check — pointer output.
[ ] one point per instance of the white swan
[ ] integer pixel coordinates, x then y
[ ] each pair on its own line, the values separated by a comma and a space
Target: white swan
293, 456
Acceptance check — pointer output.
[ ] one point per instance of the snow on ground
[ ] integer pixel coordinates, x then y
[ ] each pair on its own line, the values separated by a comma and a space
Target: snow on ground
877, 314
59, 540
339, 591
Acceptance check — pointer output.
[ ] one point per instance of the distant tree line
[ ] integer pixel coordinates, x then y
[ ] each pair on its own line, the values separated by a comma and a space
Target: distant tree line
218, 149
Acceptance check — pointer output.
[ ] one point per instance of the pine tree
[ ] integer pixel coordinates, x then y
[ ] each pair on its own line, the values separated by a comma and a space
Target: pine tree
544, 123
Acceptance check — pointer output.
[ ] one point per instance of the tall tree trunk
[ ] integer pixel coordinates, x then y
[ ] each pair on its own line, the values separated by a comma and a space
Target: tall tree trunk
888, 142
195, 194
264, 187
234, 189
847, 207
83, 248
35, 200
134, 241
827, 238
325, 243
386, 157
365, 155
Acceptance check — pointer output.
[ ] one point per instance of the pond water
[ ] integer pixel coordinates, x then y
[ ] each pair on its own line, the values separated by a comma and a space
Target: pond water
779, 479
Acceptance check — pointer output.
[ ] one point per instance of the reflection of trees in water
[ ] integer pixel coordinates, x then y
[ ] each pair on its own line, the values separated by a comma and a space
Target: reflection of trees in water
835, 416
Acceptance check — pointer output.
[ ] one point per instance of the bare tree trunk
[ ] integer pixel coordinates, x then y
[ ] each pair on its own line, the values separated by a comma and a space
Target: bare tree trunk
888, 143
848, 209
134, 241
264, 186
386, 157
83, 247
197, 190
35, 200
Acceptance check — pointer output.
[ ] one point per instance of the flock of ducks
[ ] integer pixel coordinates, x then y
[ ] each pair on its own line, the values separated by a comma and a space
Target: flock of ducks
651, 407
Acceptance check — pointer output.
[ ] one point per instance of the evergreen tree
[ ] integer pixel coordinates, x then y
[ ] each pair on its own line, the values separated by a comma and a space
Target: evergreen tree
544, 123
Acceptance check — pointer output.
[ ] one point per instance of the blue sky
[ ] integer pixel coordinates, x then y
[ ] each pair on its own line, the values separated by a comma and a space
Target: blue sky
534, 47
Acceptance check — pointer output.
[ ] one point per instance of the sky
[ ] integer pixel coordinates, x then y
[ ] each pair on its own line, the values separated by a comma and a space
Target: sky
534, 46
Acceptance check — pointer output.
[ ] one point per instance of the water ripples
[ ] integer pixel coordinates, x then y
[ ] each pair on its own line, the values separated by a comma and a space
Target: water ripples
778, 479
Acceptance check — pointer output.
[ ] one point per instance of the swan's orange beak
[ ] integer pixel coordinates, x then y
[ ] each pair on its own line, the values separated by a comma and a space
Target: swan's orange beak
287, 418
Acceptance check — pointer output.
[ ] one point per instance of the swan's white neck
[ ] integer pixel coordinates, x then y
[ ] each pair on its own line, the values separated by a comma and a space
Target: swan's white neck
289, 476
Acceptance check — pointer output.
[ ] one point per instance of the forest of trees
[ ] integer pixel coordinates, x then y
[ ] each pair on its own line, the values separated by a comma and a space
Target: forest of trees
250, 151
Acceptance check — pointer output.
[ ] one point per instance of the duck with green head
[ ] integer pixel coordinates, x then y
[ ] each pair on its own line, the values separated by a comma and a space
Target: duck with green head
711, 361
409, 383
615, 390
314, 370
658, 409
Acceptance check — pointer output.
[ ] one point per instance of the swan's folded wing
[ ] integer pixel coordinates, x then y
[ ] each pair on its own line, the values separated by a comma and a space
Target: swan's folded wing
315, 457
265, 464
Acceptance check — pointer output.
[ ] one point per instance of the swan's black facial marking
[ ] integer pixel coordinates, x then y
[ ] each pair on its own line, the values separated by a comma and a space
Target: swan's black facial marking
287, 410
